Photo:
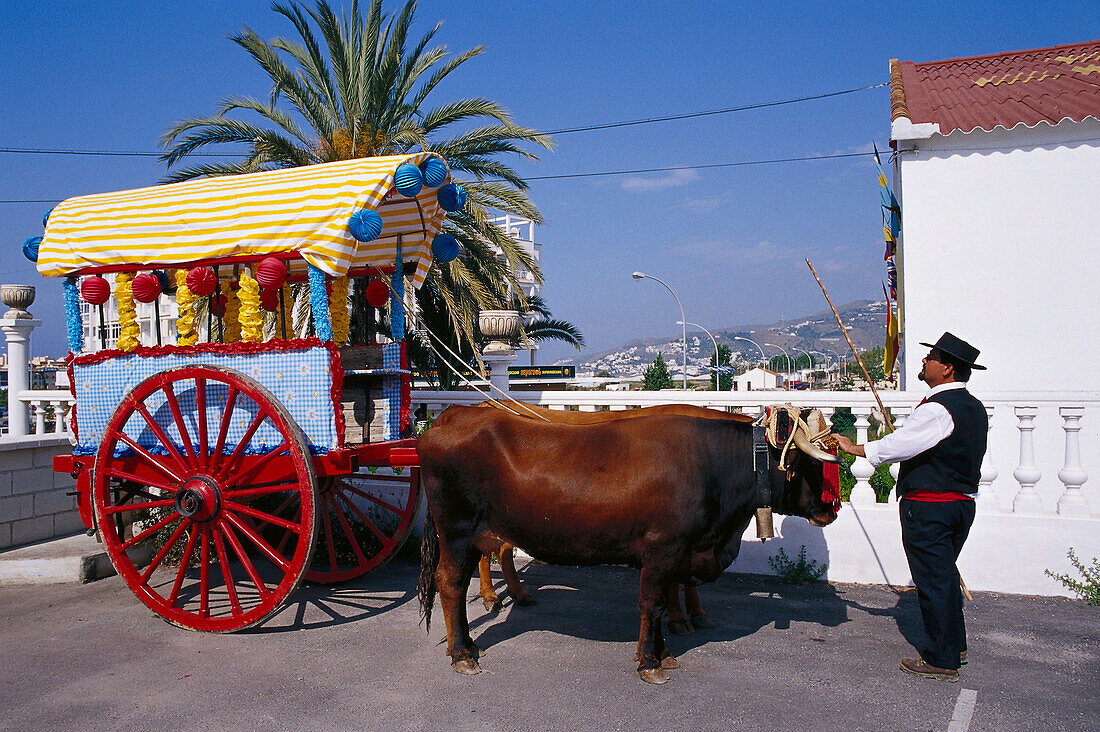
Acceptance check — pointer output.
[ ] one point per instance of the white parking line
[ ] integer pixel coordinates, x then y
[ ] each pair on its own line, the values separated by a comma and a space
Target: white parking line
964, 710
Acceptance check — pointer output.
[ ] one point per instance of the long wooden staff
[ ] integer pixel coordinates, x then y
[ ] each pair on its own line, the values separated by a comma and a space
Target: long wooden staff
882, 409
885, 417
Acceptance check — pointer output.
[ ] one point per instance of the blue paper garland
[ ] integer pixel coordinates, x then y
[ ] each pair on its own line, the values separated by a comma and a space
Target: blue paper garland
73, 321
434, 171
452, 197
365, 224
397, 298
46, 217
30, 247
407, 180
318, 302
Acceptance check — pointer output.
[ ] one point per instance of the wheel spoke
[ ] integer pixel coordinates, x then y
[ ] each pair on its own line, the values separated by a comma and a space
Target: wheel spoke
144, 480
163, 552
204, 575
259, 490
200, 406
258, 541
245, 561
256, 466
227, 574
149, 531
183, 565
149, 457
232, 461
162, 436
339, 511
386, 541
177, 416
127, 507
267, 518
227, 420
329, 542
373, 499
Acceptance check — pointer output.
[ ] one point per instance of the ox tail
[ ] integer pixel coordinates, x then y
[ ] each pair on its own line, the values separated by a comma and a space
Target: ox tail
429, 559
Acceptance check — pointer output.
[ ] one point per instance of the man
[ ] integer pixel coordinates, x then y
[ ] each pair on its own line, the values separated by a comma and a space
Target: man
940, 446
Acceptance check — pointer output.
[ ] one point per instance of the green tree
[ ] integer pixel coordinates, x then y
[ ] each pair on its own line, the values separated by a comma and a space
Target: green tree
361, 89
872, 361
725, 381
657, 376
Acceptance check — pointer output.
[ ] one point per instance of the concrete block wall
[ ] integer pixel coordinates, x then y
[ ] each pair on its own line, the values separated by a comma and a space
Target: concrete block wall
33, 502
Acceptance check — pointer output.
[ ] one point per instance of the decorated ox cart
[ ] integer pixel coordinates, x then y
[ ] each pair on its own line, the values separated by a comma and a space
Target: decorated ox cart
223, 463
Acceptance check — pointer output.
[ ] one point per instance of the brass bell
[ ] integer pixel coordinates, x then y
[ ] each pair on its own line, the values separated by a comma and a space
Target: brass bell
764, 528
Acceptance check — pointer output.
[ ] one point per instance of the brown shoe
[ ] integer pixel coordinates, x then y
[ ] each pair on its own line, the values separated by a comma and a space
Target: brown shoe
918, 667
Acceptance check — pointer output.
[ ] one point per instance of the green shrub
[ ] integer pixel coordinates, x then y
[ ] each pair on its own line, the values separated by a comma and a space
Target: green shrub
1087, 589
799, 571
881, 480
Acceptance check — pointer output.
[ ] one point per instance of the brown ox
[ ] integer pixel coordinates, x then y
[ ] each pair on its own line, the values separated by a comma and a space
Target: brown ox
679, 621
669, 495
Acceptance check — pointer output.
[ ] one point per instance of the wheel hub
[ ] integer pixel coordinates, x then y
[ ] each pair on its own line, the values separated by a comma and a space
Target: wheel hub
199, 499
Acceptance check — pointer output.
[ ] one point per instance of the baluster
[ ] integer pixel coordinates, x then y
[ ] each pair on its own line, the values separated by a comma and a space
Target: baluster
1027, 473
900, 415
862, 492
38, 407
987, 498
58, 408
1072, 475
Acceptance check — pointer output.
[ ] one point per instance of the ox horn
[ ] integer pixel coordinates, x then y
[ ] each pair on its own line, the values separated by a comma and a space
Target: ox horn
803, 443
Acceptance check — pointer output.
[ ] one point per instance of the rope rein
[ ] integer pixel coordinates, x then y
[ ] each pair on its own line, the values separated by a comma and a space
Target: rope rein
769, 418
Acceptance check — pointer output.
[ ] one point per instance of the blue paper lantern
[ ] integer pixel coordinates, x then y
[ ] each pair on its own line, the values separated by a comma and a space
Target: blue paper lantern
452, 197
46, 217
407, 180
365, 224
444, 248
435, 172
30, 247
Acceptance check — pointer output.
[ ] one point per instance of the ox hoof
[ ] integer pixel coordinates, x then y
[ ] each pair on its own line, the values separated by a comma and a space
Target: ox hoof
467, 666
653, 675
526, 600
492, 606
669, 662
702, 621
680, 627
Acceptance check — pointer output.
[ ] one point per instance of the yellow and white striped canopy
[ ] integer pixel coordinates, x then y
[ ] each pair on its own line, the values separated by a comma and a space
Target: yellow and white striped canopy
303, 210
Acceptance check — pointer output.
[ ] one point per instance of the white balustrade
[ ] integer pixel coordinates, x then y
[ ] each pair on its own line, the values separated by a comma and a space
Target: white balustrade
987, 498
1072, 475
862, 492
1027, 473
38, 411
900, 415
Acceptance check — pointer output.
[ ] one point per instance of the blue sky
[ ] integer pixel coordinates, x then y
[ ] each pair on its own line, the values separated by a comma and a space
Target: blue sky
730, 241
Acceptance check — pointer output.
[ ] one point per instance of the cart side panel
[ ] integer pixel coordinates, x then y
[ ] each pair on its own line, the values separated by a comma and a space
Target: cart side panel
300, 374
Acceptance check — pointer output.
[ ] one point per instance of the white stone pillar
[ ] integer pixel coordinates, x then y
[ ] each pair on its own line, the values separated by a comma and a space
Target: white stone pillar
862, 492
987, 498
17, 325
498, 362
1027, 473
1072, 475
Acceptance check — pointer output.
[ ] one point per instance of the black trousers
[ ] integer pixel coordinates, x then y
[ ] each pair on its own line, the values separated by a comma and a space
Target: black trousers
932, 535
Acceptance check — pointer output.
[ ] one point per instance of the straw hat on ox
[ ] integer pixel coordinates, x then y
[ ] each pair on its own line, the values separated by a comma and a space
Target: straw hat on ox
958, 349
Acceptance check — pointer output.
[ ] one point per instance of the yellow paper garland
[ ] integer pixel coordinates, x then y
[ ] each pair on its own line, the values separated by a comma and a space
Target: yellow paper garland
185, 313
231, 317
338, 310
129, 333
251, 315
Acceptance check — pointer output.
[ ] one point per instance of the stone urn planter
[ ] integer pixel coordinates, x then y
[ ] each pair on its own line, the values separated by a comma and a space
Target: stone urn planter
18, 298
500, 327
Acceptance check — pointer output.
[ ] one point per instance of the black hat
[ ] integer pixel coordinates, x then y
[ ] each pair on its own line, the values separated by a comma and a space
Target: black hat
958, 349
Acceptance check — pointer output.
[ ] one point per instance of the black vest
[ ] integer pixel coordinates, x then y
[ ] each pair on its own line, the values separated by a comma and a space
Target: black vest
955, 463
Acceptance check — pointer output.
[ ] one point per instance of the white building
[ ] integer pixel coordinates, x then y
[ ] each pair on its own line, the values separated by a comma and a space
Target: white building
523, 232
756, 379
998, 176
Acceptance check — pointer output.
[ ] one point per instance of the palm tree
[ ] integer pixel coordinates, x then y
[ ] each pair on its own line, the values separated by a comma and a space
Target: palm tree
361, 91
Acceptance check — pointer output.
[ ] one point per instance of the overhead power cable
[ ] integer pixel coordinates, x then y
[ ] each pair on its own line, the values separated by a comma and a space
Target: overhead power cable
727, 110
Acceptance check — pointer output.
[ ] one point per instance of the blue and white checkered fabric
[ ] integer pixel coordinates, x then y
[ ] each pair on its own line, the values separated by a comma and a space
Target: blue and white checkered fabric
300, 379
391, 391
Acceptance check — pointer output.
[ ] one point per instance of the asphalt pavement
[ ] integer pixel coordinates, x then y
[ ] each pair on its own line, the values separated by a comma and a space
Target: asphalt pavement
356, 657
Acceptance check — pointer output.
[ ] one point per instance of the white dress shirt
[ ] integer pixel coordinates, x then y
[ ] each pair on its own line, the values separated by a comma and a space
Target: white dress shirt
928, 425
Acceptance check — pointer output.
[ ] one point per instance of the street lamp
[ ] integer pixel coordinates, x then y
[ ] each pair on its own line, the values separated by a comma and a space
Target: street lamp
826, 357
840, 363
684, 336
750, 340
784, 350
811, 359
712, 340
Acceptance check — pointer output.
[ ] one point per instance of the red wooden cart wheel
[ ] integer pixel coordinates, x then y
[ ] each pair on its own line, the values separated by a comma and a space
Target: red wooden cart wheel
364, 520
185, 521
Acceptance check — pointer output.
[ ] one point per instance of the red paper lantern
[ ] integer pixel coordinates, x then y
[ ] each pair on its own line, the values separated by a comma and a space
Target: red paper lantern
271, 273
217, 306
95, 290
269, 299
146, 287
377, 293
201, 281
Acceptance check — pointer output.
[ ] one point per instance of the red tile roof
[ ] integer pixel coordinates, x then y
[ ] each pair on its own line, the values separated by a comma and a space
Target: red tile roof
1004, 89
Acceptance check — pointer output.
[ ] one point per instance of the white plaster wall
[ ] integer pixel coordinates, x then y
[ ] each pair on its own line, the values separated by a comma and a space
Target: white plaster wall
1002, 247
